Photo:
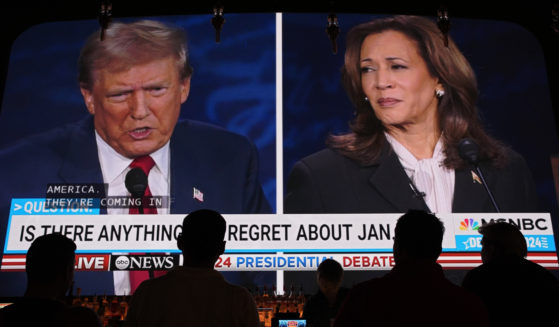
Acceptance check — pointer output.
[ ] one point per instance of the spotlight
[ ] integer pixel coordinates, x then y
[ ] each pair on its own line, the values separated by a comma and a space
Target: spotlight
218, 21
333, 30
105, 14
555, 18
443, 22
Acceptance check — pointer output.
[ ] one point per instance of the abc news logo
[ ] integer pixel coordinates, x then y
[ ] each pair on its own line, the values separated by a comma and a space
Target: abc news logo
144, 262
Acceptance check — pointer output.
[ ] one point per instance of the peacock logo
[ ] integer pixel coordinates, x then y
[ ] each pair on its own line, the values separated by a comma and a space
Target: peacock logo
469, 224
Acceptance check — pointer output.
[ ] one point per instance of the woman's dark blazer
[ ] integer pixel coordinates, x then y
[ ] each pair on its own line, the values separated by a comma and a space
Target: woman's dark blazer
328, 182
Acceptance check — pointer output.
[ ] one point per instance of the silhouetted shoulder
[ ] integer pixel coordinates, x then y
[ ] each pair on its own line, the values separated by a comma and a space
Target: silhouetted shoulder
34, 312
83, 317
516, 292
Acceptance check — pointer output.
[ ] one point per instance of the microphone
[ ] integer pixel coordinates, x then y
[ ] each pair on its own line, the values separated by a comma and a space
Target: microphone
416, 193
469, 151
136, 183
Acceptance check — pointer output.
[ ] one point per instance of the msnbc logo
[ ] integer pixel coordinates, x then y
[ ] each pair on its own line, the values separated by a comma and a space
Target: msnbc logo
469, 224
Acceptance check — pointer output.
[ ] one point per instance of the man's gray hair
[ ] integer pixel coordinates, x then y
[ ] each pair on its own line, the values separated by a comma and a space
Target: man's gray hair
128, 44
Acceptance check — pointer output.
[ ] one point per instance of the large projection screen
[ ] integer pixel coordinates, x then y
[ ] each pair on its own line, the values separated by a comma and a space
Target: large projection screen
286, 113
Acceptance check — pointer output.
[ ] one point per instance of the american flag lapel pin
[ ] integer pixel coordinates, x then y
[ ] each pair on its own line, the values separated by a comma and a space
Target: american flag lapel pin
475, 178
197, 194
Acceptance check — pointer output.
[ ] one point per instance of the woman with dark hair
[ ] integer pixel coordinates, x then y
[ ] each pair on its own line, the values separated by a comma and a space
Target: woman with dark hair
415, 101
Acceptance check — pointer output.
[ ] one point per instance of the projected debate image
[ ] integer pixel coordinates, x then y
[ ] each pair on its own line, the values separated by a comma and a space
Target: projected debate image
112, 138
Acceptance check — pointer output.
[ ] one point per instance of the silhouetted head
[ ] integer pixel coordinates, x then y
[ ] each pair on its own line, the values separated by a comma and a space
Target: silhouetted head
502, 240
50, 264
201, 240
329, 276
418, 237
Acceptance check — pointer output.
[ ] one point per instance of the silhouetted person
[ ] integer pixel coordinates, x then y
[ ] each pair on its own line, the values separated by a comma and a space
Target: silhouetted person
321, 308
415, 292
516, 291
194, 294
50, 271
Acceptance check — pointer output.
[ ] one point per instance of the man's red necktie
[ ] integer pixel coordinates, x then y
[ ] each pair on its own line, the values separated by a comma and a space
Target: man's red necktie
145, 163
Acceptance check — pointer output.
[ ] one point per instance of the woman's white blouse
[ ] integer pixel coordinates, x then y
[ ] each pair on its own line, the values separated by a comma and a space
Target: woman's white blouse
428, 175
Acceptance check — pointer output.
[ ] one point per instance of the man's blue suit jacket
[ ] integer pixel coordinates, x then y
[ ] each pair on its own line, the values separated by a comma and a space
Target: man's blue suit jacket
221, 164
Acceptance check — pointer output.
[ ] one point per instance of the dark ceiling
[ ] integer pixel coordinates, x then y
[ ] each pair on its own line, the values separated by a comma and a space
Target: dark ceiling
535, 16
